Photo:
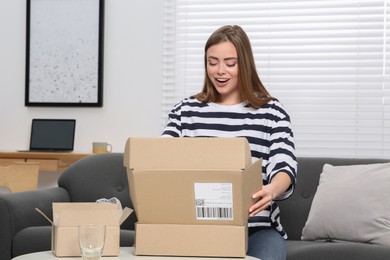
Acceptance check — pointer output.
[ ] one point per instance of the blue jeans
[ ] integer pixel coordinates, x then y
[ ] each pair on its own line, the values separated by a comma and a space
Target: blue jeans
266, 244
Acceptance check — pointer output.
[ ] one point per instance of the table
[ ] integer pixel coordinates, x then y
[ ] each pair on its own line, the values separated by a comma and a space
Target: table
125, 253
54, 162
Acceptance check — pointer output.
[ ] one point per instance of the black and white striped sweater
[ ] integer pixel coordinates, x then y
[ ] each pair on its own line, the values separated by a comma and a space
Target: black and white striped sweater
267, 129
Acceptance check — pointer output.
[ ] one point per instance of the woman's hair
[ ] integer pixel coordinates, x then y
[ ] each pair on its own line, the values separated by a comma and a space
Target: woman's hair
251, 89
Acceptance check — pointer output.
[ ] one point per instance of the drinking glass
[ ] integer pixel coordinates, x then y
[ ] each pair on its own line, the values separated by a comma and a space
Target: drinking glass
91, 239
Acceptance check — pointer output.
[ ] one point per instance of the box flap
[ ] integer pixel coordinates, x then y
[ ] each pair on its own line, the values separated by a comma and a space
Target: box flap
187, 153
81, 213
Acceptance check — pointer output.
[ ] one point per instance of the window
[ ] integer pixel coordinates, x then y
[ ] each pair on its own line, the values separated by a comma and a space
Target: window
326, 61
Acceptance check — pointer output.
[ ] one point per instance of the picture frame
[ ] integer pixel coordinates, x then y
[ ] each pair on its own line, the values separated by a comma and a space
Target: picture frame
64, 53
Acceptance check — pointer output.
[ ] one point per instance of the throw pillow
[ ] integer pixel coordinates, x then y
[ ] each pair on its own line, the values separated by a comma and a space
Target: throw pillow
352, 203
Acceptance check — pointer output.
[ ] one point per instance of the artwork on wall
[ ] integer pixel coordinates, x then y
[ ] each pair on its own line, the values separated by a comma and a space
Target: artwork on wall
64, 53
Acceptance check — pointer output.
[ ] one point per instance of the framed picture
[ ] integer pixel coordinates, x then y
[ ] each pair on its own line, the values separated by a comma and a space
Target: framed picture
64, 53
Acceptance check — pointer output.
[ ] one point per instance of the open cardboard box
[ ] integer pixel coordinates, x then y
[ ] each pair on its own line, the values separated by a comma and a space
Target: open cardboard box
68, 216
194, 186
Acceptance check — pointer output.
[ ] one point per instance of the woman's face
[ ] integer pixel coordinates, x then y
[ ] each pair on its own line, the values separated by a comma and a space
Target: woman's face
222, 69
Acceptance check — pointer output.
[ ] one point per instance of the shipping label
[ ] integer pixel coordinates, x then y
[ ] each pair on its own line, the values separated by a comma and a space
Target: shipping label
214, 201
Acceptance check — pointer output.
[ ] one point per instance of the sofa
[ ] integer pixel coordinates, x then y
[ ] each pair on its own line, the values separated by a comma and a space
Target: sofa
23, 230
295, 210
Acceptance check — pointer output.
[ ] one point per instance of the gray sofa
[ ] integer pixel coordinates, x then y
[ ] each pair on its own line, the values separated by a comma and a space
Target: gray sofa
295, 211
22, 230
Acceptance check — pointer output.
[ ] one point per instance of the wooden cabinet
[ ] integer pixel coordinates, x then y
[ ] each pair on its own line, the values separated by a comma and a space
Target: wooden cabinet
19, 176
52, 162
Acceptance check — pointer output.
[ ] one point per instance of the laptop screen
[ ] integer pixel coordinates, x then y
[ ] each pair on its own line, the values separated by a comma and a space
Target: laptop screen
52, 134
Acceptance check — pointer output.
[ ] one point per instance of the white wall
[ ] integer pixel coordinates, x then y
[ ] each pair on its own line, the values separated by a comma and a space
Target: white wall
132, 78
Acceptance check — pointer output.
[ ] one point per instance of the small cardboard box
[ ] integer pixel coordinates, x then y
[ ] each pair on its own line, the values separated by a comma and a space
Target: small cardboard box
68, 216
195, 185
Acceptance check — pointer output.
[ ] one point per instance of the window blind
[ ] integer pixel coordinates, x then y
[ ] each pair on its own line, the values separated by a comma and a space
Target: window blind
326, 61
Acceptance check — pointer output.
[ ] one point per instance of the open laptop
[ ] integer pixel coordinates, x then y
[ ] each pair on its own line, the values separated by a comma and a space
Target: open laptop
52, 135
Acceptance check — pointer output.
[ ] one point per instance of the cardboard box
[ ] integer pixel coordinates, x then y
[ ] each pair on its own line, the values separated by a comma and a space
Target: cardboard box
195, 185
172, 180
191, 240
67, 218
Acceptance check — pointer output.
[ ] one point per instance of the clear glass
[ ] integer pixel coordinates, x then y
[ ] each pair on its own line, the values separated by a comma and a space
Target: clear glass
91, 240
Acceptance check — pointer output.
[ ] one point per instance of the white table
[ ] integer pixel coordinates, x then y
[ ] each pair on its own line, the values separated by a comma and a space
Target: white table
125, 253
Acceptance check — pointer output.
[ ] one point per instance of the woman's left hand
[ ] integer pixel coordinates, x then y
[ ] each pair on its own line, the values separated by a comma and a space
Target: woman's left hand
261, 200
264, 197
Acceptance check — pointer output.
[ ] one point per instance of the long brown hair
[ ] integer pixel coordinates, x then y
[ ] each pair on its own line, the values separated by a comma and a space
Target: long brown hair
252, 89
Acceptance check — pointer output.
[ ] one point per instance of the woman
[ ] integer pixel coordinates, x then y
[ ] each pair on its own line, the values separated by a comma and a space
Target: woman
234, 103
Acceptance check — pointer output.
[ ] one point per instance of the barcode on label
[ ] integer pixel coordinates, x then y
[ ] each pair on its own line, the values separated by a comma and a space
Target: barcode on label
214, 213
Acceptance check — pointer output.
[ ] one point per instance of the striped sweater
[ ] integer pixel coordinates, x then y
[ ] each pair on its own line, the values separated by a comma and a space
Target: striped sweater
267, 129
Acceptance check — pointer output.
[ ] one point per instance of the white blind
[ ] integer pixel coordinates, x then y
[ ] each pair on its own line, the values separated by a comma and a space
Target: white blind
326, 61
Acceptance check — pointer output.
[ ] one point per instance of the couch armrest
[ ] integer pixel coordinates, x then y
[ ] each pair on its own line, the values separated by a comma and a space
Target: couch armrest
17, 211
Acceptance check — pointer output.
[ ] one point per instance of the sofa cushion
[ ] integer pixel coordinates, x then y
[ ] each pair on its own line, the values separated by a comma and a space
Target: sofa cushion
352, 203
32, 239
299, 250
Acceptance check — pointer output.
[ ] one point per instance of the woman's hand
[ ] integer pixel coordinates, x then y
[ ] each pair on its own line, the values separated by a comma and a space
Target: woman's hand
263, 198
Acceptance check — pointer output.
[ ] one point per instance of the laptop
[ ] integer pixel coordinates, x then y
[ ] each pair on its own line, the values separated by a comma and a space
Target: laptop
52, 135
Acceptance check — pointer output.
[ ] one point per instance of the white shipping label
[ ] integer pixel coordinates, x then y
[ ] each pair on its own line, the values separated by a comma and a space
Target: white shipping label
214, 201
